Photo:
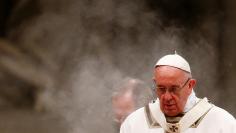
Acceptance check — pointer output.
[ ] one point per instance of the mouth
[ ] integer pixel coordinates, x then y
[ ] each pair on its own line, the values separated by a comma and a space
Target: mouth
169, 106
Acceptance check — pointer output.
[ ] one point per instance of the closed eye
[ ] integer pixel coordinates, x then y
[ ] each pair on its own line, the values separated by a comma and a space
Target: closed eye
162, 89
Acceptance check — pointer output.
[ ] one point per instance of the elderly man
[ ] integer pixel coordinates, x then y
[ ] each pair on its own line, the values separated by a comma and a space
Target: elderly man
129, 95
177, 110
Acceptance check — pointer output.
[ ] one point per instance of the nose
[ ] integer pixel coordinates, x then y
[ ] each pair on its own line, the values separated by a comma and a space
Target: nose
167, 96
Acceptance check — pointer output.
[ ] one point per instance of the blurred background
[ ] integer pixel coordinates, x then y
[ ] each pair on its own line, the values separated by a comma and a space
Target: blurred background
60, 59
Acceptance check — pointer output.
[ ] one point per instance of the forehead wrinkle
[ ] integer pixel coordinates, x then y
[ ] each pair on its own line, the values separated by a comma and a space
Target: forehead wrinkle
170, 75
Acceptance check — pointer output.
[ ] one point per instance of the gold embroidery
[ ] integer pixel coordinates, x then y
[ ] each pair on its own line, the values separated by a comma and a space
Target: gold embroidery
174, 129
196, 123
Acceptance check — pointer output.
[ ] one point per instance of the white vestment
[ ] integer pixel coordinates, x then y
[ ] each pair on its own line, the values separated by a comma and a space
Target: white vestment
150, 119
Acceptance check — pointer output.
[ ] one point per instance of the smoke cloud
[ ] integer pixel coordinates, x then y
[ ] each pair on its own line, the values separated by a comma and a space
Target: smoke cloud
91, 45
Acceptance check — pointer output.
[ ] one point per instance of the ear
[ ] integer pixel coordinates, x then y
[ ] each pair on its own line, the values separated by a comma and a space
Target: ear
192, 83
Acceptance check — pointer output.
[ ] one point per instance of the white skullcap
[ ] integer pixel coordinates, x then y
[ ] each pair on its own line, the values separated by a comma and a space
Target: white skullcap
174, 60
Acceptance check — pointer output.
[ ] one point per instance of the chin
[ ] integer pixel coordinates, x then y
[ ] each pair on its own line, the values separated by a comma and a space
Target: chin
171, 112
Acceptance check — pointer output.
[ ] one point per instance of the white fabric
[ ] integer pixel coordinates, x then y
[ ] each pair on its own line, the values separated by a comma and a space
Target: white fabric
194, 114
216, 120
192, 100
158, 115
174, 60
186, 121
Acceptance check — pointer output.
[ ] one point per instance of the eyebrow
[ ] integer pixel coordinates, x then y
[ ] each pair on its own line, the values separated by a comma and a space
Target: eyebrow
171, 86
158, 85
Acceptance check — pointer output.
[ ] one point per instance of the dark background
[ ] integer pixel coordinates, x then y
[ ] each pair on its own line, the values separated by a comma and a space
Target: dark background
60, 59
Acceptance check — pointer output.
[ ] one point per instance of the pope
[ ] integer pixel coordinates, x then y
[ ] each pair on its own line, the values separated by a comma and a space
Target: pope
177, 109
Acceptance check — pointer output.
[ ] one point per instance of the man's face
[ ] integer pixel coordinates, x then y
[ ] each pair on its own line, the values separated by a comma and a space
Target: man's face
122, 106
173, 86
